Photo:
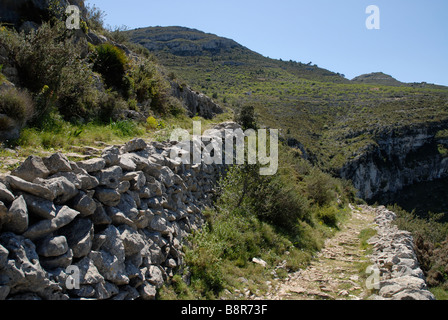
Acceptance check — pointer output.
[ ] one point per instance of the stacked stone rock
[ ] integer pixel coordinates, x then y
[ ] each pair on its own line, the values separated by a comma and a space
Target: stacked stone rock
120, 219
393, 255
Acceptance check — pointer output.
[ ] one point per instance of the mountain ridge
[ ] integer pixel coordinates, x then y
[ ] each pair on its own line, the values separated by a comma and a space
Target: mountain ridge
335, 119
182, 41
188, 42
377, 77
385, 79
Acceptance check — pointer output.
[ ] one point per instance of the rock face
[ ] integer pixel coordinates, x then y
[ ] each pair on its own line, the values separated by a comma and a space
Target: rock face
182, 41
118, 220
399, 158
396, 261
196, 103
17, 11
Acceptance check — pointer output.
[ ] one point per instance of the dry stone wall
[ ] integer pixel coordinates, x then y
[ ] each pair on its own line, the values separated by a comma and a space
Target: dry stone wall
399, 272
115, 223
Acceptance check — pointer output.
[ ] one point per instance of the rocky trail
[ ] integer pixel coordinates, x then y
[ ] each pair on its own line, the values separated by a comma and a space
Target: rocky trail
334, 273
344, 270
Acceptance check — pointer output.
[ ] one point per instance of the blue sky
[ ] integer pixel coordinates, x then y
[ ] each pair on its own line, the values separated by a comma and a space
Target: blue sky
411, 45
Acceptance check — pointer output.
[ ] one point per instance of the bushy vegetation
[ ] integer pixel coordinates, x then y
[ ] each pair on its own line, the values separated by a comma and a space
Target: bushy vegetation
111, 62
246, 117
334, 118
2, 77
50, 66
67, 77
147, 84
16, 104
431, 244
273, 218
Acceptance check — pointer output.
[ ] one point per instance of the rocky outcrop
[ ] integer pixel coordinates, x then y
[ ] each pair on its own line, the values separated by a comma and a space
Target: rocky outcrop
20, 12
182, 41
400, 157
378, 78
197, 104
394, 258
106, 228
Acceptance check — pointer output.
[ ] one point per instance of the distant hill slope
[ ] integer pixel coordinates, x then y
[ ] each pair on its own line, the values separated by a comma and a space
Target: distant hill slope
381, 78
185, 44
332, 117
182, 41
378, 78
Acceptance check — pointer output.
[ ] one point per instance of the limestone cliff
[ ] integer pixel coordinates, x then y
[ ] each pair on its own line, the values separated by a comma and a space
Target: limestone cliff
194, 102
182, 41
400, 157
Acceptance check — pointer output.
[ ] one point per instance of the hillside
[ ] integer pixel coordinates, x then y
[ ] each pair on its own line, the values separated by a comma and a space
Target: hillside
175, 45
378, 78
183, 42
88, 181
333, 117
70, 103
381, 78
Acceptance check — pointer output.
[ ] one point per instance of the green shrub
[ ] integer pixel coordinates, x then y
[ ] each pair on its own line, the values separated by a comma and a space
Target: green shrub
2, 77
273, 199
95, 18
29, 137
111, 62
41, 56
108, 106
149, 85
175, 107
56, 9
76, 95
320, 187
50, 65
438, 273
204, 261
307, 237
177, 289
16, 104
133, 105
280, 203
152, 123
328, 215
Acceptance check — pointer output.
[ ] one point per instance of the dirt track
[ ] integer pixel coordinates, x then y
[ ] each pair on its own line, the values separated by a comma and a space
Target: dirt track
334, 273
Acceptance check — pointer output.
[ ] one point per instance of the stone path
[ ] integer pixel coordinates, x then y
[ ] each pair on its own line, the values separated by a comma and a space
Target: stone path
334, 273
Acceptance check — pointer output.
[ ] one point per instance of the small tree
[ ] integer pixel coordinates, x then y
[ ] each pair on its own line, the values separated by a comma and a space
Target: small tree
320, 187
247, 118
